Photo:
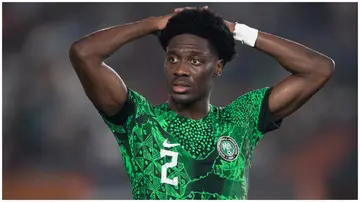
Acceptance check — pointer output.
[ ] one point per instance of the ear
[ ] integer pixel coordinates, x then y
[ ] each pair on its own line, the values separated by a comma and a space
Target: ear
219, 67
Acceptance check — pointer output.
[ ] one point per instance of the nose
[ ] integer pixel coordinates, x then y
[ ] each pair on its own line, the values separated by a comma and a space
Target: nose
181, 70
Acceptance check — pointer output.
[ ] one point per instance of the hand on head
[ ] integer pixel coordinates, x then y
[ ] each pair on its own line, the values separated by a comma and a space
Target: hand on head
178, 10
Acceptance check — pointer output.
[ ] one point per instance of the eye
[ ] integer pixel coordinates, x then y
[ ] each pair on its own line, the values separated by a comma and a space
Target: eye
172, 60
195, 62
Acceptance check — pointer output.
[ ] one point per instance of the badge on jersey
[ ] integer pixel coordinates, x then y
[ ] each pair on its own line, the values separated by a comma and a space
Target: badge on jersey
227, 148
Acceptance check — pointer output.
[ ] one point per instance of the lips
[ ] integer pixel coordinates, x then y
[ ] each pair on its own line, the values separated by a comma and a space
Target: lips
180, 86
181, 83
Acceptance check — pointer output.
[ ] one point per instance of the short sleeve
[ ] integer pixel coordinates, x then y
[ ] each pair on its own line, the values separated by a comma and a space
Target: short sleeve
266, 122
251, 112
122, 122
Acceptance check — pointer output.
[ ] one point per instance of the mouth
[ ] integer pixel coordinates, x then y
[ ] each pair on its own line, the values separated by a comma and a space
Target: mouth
180, 87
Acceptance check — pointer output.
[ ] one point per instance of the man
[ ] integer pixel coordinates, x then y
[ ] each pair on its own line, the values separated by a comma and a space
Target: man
187, 148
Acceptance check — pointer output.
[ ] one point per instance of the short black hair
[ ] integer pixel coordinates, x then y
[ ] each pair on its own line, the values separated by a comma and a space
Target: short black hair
203, 23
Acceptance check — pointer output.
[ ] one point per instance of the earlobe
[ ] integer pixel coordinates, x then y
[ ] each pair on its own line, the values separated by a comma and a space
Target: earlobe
216, 74
219, 67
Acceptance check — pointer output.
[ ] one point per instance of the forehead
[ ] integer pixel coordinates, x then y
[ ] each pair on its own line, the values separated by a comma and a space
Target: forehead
189, 42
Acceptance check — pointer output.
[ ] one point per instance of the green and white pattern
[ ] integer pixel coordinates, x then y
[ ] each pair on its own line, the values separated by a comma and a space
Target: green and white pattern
168, 156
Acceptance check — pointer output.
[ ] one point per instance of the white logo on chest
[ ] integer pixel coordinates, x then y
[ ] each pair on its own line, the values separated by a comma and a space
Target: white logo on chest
166, 144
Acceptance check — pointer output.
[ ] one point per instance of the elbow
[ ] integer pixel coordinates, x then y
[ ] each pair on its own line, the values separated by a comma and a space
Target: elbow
328, 68
83, 50
324, 67
78, 50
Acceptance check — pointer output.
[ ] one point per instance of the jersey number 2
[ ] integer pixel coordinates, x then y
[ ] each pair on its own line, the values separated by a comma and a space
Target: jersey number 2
173, 163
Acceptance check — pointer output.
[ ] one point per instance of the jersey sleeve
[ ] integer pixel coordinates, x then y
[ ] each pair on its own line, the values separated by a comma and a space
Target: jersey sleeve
122, 123
266, 121
251, 111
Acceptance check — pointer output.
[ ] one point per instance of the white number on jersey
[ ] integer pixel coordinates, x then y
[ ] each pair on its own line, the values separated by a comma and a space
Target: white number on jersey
173, 163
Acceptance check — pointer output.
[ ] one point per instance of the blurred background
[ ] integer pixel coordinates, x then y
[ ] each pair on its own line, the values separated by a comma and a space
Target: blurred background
56, 146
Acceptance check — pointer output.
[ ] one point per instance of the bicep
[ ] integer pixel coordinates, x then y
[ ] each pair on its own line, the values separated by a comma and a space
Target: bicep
291, 93
103, 86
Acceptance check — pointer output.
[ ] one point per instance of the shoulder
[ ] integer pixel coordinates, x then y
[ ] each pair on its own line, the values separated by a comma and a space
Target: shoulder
136, 97
245, 106
254, 95
135, 105
248, 100
142, 103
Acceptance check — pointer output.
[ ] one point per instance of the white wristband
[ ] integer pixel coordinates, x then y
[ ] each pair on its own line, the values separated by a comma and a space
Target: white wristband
245, 34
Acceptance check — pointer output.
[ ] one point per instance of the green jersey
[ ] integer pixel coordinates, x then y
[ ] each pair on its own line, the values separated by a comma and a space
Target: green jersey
168, 156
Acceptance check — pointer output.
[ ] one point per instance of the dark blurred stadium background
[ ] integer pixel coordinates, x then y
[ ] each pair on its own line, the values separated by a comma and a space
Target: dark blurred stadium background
55, 145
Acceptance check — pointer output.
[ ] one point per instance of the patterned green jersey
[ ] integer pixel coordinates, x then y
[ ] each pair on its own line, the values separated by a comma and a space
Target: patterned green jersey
168, 156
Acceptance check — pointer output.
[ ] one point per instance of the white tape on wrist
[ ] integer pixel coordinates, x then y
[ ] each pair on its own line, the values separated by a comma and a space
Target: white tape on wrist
245, 34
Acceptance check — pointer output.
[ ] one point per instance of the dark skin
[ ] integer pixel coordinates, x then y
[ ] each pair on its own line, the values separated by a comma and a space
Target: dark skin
309, 70
191, 59
103, 86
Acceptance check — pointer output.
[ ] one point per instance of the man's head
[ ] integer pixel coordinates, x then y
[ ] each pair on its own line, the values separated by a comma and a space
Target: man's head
198, 44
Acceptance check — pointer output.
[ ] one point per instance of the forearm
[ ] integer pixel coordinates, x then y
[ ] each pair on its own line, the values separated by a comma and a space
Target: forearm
103, 43
293, 56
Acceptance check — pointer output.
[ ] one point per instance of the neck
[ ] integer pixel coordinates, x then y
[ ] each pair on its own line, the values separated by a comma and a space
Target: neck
195, 110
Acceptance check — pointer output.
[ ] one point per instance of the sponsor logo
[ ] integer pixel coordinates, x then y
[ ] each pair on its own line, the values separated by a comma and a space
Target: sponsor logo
167, 144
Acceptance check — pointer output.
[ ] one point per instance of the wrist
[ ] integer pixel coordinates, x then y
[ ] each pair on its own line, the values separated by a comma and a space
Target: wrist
152, 24
245, 34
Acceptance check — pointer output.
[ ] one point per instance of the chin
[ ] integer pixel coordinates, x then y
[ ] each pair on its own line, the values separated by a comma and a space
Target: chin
181, 98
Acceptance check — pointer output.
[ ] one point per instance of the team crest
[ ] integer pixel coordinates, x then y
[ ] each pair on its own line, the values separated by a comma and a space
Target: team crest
227, 148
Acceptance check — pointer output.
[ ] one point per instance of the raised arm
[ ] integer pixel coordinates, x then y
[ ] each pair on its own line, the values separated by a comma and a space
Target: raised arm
102, 84
309, 70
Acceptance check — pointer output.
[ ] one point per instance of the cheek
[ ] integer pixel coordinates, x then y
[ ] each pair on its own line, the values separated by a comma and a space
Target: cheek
167, 71
205, 81
209, 74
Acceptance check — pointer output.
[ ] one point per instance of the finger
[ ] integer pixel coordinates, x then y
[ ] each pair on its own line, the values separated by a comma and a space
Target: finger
177, 10
170, 15
205, 7
181, 9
